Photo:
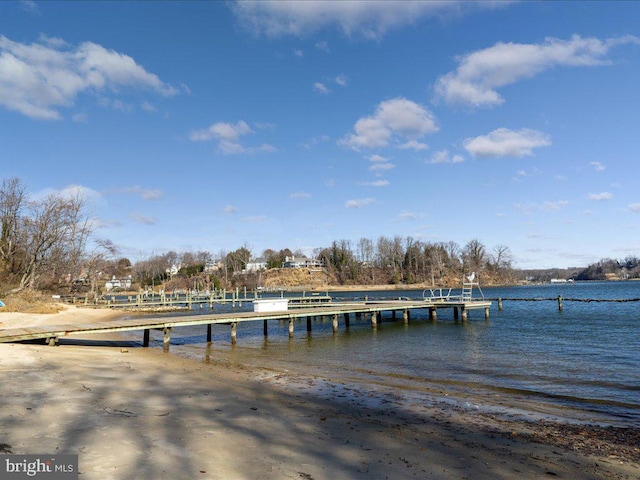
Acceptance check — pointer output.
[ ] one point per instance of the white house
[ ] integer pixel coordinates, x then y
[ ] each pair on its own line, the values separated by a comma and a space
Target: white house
256, 265
301, 262
119, 283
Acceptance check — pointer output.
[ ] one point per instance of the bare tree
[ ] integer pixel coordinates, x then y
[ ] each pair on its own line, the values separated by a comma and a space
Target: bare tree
474, 255
12, 203
53, 239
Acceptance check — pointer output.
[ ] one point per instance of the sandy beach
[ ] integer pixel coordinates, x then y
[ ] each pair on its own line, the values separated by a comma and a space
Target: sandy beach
130, 412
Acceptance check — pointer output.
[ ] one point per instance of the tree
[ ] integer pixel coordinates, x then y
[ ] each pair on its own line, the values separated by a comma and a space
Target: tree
238, 259
12, 204
473, 255
56, 231
276, 259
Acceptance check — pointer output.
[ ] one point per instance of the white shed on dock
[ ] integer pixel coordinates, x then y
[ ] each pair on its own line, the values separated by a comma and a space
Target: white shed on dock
271, 305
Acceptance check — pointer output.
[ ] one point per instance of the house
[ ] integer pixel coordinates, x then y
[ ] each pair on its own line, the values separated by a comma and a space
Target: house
118, 284
301, 262
256, 265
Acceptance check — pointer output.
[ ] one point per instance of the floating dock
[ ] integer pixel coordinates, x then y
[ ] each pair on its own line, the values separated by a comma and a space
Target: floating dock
52, 333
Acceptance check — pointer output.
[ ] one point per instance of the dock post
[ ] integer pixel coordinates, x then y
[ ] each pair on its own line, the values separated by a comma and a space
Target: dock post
464, 314
405, 317
145, 338
308, 323
335, 323
265, 331
167, 336
208, 333
486, 313
560, 303
455, 313
374, 319
500, 304
433, 314
346, 320
233, 332
291, 328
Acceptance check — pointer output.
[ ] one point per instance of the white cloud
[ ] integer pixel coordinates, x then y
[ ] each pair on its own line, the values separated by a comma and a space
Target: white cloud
359, 203
479, 74
395, 119
503, 142
298, 53
382, 167
365, 19
148, 107
234, 148
29, 5
414, 145
322, 46
634, 207
222, 131
72, 191
228, 135
315, 141
342, 80
300, 195
229, 209
320, 87
599, 197
377, 183
551, 206
145, 193
443, 156
597, 166
143, 219
38, 79
528, 208
377, 158
407, 216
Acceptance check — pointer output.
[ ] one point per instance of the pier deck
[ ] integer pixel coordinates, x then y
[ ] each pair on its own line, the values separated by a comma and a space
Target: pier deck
51, 333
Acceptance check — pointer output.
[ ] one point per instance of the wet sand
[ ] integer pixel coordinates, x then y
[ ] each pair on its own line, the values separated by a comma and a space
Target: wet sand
130, 412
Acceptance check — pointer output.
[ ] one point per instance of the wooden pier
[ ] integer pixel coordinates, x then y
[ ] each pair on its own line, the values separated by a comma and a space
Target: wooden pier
52, 333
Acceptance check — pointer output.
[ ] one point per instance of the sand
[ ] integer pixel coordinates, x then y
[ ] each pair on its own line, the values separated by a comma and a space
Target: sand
136, 413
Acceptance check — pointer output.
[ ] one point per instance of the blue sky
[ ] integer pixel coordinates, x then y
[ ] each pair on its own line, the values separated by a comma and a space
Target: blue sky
211, 125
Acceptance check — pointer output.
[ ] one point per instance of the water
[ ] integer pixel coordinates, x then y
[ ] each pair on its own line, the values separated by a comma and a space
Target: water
530, 359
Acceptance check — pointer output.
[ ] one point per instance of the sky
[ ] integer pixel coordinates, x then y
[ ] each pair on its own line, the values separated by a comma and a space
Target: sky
192, 126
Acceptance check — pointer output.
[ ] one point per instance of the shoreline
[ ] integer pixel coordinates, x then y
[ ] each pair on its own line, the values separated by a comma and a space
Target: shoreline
130, 412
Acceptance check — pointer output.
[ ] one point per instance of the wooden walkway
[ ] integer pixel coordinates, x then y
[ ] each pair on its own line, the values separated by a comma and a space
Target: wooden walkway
52, 333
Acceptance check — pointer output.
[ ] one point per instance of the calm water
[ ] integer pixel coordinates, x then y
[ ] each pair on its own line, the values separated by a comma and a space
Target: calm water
582, 363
